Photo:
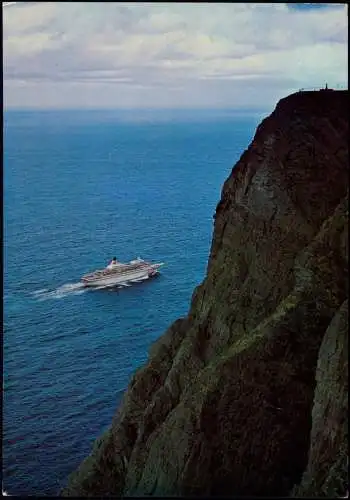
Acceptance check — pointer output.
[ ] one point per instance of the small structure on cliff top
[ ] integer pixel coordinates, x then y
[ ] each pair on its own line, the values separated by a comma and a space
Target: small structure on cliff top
309, 89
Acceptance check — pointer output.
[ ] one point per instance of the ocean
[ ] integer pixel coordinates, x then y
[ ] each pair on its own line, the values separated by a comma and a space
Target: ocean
79, 188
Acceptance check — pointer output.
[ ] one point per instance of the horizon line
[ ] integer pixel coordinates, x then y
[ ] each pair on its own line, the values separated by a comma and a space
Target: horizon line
153, 109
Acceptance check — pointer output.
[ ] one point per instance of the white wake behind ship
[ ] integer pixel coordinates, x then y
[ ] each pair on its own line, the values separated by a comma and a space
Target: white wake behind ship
118, 273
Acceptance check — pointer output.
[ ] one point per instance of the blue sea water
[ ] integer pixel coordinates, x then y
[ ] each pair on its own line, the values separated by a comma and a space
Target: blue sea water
80, 187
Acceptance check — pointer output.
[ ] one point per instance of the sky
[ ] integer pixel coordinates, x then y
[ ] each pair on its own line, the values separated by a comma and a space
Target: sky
64, 55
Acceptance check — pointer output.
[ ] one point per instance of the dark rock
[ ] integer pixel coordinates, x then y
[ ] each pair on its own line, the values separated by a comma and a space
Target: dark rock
248, 394
327, 470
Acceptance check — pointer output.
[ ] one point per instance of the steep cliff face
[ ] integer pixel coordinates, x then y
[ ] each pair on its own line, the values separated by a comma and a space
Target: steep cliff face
247, 395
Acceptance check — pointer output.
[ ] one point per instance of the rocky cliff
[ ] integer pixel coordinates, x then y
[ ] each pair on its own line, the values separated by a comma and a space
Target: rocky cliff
247, 395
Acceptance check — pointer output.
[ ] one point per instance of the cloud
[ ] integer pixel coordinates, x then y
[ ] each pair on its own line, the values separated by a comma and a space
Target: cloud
118, 54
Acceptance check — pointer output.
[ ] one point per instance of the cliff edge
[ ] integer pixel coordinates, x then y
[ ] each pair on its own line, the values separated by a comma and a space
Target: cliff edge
248, 394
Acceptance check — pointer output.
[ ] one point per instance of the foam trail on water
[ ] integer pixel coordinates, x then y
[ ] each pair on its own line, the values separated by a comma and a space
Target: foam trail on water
79, 288
60, 292
40, 292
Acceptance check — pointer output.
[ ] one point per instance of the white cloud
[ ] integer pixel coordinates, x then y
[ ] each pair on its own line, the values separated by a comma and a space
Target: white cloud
28, 16
118, 54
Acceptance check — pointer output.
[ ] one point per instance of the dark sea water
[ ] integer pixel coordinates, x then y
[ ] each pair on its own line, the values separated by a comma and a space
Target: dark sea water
80, 187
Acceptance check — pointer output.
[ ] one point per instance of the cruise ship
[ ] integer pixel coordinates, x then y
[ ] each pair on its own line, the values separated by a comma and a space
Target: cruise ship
118, 273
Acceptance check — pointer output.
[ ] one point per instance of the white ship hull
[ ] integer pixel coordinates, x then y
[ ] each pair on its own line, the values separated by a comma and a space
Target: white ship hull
122, 274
